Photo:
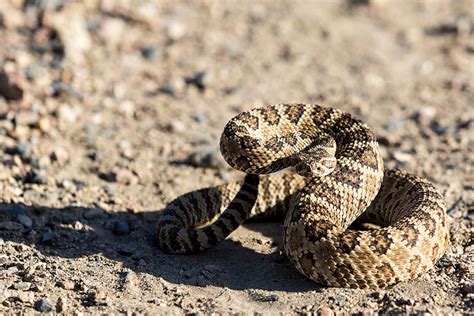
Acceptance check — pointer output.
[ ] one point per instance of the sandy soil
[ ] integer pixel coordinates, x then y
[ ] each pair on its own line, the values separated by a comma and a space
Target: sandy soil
110, 109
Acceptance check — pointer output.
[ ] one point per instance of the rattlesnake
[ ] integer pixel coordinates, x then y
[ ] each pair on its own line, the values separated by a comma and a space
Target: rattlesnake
339, 178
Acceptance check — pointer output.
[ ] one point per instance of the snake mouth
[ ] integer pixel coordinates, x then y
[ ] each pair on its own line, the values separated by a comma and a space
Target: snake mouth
309, 170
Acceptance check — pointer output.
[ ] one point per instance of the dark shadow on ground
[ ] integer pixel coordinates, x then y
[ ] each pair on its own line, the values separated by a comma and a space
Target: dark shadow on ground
67, 233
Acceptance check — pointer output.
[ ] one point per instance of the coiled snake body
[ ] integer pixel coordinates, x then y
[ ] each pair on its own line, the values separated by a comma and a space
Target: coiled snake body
339, 180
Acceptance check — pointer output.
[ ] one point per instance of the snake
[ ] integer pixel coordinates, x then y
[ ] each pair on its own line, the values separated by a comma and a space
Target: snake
347, 221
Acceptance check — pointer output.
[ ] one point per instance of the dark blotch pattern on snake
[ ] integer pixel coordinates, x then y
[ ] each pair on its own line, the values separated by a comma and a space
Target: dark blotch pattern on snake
339, 178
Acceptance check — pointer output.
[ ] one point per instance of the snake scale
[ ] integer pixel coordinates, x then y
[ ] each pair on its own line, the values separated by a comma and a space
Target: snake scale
339, 180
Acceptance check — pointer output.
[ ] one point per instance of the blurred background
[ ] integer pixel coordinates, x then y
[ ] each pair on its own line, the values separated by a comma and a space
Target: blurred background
118, 106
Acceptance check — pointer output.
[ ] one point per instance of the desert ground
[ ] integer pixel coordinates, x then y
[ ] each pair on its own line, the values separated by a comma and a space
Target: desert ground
111, 109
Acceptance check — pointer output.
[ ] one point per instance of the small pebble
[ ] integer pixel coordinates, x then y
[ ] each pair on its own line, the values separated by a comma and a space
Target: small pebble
206, 158
395, 124
35, 176
93, 213
68, 114
44, 305
61, 304
47, 237
26, 297
9, 225
121, 228
339, 298
377, 295
67, 184
325, 311
22, 286
265, 298
9, 89
68, 285
175, 86
148, 52
12, 209
177, 126
200, 117
201, 80
23, 150
60, 155
404, 301
25, 220
175, 30
44, 124
127, 251
123, 176
127, 108
110, 190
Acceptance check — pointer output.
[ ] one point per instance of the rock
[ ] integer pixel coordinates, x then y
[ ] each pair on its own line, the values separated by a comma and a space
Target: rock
9, 225
44, 124
121, 228
378, 295
126, 149
12, 209
109, 189
112, 30
175, 30
26, 118
211, 271
265, 298
9, 89
68, 185
70, 24
47, 237
325, 311
127, 108
49, 4
22, 286
23, 150
177, 125
401, 156
200, 117
404, 301
206, 158
26, 297
127, 250
174, 86
25, 220
43, 305
395, 124
35, 176
339, 299
93, 213
69, 285
68, 114
201, 80
426, 67
61, 304
426, 114
148, 52
60, 155
11, 17
59, 87
374, 81
122, 175
468, 288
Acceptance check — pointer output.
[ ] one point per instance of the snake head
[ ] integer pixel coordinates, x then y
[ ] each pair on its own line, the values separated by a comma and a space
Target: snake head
316, 168
315, 161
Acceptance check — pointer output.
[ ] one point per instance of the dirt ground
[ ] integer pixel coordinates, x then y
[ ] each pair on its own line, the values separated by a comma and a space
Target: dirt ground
110, 109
